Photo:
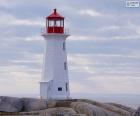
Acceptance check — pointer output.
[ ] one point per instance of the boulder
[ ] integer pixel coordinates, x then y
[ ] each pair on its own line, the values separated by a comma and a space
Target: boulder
58, 111
137, 112
125, 108
51, 104
58, 103
32, 104
108, 107
77, 107
63, 103
10, 104
91, 110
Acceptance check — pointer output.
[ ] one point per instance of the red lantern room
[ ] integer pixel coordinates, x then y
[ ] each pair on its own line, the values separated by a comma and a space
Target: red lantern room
55, 23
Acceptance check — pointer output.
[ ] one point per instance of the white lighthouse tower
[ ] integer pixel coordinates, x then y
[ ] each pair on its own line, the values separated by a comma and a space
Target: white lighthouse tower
55, 83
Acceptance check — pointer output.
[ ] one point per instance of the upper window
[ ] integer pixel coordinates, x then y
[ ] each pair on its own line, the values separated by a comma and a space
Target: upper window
66, 86
51, 23
54, 23
64, 46
65, 65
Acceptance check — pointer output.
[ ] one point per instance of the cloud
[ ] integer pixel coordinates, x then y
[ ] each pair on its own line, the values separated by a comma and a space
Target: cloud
90, 12
105, 73
113, 84
34, 38
21, 75
76, 87
7, 19
80, 38
103, 51
19, 80
5, 3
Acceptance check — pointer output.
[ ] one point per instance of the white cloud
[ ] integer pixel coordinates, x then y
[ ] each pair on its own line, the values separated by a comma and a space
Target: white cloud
9, 20
76, 87
134, 27
90, 12
99, 37
80, 38
138, 31
18, 78
78, 59
18, 81
34, 38
115, 83
104, 73
92, 73
111, 27
5, 3
71, 38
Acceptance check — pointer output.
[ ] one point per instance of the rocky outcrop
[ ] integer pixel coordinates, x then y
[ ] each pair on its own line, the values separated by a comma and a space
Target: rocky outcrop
13, 104
137, 113
112, 108
73, 107
128, 109
32, 104
90, 110
59, 103
10, 104
60, 111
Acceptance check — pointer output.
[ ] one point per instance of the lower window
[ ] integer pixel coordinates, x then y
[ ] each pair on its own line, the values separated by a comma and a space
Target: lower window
59, 88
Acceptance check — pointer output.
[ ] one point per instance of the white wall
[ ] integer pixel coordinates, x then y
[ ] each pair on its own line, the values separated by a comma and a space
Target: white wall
53, 68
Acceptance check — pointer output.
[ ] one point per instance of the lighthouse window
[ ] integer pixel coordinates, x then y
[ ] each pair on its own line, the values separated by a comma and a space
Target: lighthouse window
66, 86
65, 65
51, 23
64, 46
59, 88
57, 23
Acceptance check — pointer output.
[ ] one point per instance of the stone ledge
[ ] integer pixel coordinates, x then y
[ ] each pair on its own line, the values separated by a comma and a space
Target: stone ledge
72, 107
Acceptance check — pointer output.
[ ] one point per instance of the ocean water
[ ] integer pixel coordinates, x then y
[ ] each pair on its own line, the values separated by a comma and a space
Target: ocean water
131, 100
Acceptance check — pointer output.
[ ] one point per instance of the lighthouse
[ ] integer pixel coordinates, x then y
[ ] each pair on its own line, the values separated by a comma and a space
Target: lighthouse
54, 82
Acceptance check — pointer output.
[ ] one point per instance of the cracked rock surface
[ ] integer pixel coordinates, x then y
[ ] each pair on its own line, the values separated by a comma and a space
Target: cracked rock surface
72, 107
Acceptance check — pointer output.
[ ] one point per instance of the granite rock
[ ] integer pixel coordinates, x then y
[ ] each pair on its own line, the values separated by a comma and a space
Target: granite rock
91, 110
137, 113
32, 104
72, 107
58, 111
10, 104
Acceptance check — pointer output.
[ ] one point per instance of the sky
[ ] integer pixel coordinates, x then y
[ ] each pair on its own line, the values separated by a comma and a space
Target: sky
103, 49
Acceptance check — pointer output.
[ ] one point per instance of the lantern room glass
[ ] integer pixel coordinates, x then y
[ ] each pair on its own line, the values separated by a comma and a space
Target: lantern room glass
55, 23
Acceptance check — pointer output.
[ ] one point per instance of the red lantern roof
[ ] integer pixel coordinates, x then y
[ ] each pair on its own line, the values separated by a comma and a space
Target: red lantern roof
55, 15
